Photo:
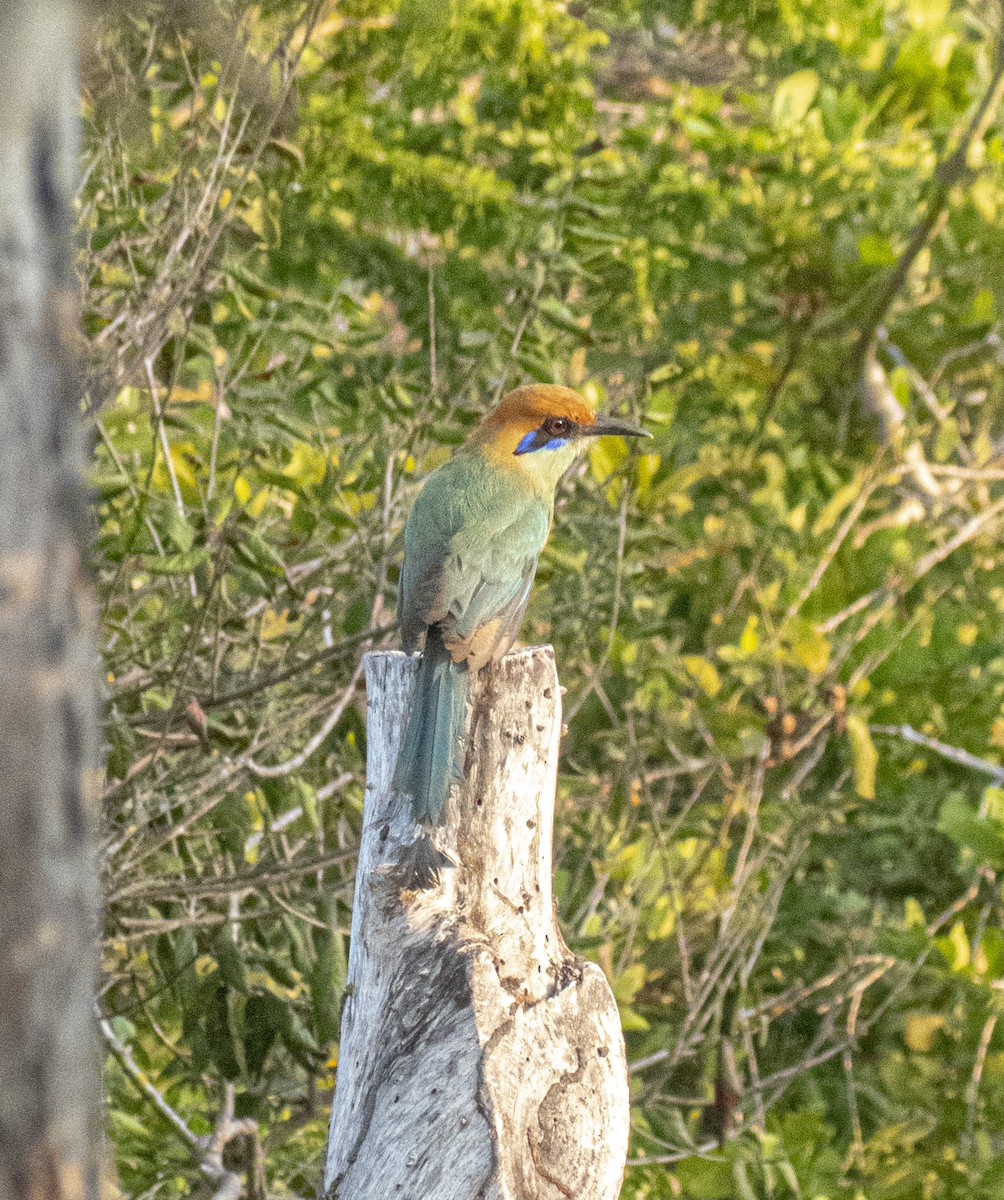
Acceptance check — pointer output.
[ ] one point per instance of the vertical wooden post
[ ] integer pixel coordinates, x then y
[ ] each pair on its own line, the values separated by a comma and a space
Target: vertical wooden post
479, 1058
49, 1085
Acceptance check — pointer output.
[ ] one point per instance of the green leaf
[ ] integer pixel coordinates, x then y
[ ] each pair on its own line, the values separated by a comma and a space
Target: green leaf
229, 961
219, 1033
176, 564
793, 97
628, 983
706, 1179
864, 756
983, 836
631, 1020
704, 674
875, 251
180, 531
955, 947
264, 1019
831, 510
124, 1029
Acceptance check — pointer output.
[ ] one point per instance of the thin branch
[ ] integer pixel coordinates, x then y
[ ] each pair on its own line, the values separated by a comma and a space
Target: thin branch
142, 1081
705, 1150
992, 341
175, 889
260, 684
158, 412
850, 610
795, 344
615, 608
248, 764
829, 554
973, 1087
208, 1151
954, 753
986, 474
433, 371
887, 593
968, 531
947, 174
924, 389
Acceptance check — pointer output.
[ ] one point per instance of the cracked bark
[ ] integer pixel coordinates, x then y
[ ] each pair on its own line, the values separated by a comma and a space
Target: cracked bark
479, 1059
49, 1116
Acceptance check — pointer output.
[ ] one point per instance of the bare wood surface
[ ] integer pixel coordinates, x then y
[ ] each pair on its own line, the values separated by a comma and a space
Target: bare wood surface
479, 1058
49, 1092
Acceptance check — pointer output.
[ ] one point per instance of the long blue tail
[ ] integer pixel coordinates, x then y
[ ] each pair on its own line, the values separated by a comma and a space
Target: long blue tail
431, 757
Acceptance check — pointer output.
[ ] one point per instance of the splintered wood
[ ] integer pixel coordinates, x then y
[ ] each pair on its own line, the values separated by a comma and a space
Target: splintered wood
479, 1058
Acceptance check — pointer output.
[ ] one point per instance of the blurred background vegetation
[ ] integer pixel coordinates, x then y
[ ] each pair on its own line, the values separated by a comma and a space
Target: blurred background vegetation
316, 242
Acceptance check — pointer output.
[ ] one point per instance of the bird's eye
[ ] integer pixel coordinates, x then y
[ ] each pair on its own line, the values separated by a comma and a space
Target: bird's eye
557, 426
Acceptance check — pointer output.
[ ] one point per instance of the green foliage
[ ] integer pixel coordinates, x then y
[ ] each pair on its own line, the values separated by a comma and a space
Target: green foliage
315, 247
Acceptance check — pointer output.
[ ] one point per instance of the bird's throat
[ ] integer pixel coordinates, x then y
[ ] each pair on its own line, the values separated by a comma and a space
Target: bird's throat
543, 468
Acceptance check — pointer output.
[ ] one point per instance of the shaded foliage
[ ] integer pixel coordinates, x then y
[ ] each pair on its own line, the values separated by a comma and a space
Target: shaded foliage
316, 245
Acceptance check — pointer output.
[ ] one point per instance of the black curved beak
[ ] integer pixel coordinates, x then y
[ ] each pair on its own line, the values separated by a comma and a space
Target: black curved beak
615, 426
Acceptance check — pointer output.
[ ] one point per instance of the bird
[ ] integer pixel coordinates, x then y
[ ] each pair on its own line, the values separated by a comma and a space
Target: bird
471, 545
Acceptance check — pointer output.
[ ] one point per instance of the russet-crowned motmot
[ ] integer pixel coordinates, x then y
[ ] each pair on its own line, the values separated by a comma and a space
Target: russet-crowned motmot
471, 545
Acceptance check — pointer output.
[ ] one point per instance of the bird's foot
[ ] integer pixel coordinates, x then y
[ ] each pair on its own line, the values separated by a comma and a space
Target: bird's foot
418, 866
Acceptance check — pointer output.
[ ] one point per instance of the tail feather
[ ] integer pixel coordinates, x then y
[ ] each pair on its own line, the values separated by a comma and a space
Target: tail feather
432, 753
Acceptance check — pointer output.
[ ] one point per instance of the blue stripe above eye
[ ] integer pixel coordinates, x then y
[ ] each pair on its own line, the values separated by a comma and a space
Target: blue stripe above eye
536, 439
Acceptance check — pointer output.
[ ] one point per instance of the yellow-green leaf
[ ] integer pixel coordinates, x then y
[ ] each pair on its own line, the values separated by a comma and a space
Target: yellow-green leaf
749, 639
703, 674
921, 1029
307, 465
864, 756
273, 624
661, 918
628, 983
955, 947
811, 648
605, 456
632, 1021
833, 508
927, 13
794, 96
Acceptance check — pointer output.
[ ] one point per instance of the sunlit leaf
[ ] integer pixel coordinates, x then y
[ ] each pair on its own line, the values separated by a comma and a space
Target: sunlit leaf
703, 673
794, 95
864, 756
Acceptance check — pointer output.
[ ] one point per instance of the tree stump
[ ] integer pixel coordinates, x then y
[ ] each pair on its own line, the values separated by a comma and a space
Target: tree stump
479, 1058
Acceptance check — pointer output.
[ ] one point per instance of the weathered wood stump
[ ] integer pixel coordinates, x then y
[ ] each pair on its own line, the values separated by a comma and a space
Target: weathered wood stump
479, 1058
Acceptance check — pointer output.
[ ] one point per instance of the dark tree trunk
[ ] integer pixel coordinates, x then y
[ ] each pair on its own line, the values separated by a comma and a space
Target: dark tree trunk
49, 1095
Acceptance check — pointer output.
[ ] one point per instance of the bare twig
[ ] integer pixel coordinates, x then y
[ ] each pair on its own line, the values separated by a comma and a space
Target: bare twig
973, 1087
142, 1081
247, 763
208, 1151
176, 889
957, 755
947, 174
924, 389
972, 528
826, 558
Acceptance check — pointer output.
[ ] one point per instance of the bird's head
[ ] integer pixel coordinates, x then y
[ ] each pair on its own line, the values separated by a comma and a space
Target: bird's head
542, 428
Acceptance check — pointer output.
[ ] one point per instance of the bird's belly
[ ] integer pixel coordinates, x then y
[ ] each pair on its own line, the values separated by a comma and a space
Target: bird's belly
481, 647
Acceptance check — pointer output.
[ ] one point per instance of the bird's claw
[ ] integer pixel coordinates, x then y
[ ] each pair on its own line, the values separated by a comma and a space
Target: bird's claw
418, 866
